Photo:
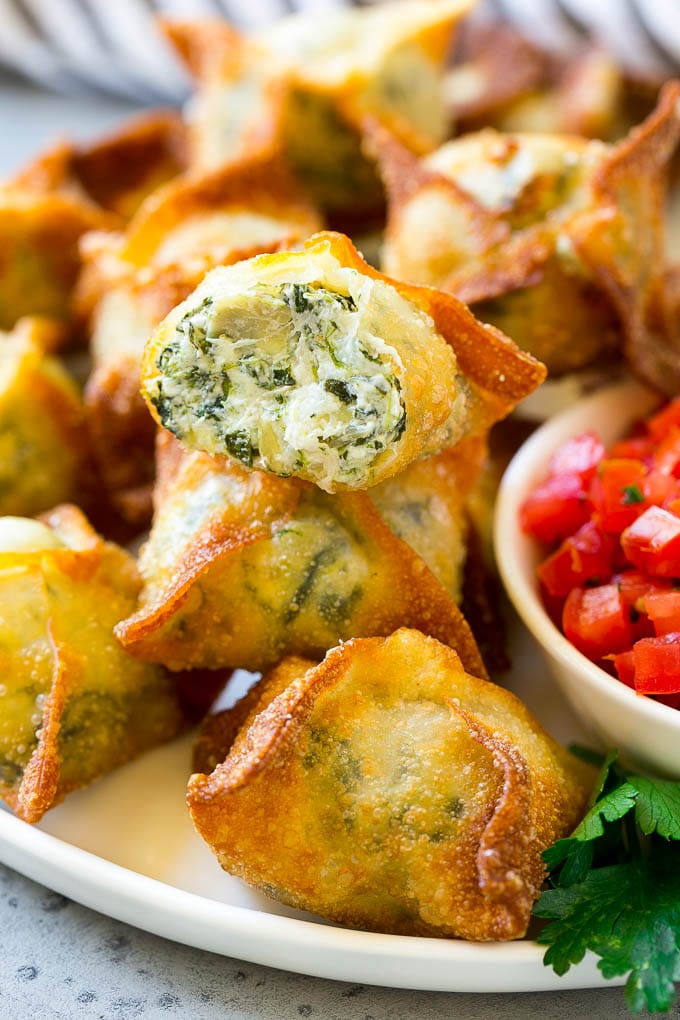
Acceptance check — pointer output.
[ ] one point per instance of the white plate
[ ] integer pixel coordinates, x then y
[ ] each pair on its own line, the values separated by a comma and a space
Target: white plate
126, 847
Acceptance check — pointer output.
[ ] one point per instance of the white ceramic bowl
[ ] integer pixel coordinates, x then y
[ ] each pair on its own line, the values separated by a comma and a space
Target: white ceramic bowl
646, 733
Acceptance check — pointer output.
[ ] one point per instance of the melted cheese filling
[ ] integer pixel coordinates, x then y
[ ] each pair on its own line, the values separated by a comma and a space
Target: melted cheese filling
290, 377
499, 170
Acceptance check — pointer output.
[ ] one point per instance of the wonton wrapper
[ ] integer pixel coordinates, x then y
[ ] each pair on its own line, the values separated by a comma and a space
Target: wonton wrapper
44, 456
304, 83
39, 259
556, 240
132, 280
387, 789
69, 190
502, 80
117, 172
242, 567
374, 373
74, 705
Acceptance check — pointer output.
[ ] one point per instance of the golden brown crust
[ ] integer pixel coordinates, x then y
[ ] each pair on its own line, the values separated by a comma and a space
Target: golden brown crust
634, 180
118, 171
238, 582
122, 434
491, 371
505, 67
217, 56
386, 788
45, 451
218, 733
153, 266
502, 80
39, 259
256, 94
122, 169
570, 282
75, 706
501, 373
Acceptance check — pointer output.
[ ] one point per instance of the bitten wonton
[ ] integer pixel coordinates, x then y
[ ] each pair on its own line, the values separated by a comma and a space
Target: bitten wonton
387, 789
242, 567
73, 705
131, 280
556, 240
311, 363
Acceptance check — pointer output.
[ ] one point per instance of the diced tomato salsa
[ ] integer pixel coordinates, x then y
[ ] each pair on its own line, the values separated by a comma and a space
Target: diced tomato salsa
611, 520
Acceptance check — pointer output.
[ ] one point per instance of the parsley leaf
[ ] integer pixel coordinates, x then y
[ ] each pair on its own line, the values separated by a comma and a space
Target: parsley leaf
632, 494
629, 915
616, 888
657, 806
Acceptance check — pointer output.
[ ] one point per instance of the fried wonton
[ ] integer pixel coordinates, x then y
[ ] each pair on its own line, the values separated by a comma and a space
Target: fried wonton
304, 82
133, 279
311, 363
44, 455
117, 172
39, 259
74, 705
65, 192
242, 567
556, 240
502, 80
387, 789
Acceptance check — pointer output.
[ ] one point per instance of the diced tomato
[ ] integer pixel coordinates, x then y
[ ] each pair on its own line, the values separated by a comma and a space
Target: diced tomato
652, 542
636, 448
663, 609
611, 581
617, 493
664, 420
657, 664
597, 621
579, 456
666, 457
555, 509
659, 489
584, 556
624, 665
635, 587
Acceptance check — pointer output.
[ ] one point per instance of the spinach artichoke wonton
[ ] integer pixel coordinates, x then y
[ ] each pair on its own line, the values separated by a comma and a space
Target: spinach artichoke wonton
387, 789
313, 364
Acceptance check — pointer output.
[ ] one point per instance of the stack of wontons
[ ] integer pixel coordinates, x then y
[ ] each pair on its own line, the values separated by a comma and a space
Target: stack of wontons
308, 439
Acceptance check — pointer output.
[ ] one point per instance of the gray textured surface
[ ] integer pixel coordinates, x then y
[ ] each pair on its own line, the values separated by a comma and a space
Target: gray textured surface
60, 960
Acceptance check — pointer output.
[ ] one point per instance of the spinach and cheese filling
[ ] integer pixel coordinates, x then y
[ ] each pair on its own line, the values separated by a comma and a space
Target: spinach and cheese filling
524, 178
291, 377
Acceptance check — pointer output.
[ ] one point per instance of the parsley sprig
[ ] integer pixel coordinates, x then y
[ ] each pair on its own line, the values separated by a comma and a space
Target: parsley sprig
616, 888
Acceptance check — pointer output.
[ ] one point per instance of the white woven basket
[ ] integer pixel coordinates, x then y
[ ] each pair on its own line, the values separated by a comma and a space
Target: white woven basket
114, 46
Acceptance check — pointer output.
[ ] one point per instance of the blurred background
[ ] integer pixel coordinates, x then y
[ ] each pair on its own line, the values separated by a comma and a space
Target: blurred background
114, 47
